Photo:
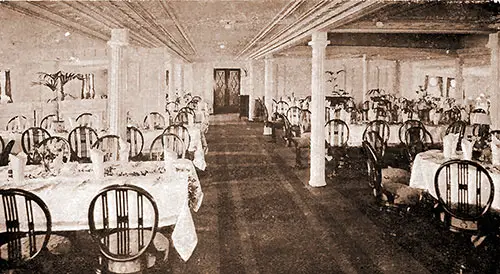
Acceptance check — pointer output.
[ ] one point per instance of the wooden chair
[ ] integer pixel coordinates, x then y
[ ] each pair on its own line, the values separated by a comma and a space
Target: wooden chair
30, 140
172, 107
184, 116
81, 140
53, 151
282, 107
405, 126
136, 141
110, 145
166, 141
417, 139
374, 169
4, 157
123, 221
86, 119
465, 191
28, 227
47, 121
293, 114
305, 121
154, 120
17, 124
457, 127
2, 144
336, 137
182, 132
379, 126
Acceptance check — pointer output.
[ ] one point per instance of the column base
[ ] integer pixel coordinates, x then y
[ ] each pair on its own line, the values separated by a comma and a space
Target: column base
317, 183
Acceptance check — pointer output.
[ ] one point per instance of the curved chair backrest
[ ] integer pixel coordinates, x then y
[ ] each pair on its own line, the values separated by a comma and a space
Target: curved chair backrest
28, 226
154, 120
381, 127
4, 157
293, 115
172, 107
47, 121
281, 107
182, 132
417, 139
186, 115
81, 140
405, 126
30, 140
123, 220
86, 119
17, 124
305, 120
166, 141
53, 149
336, 133
110, 145
136, 141
464, 189
374, 167
377, 143
457, 127
2, 144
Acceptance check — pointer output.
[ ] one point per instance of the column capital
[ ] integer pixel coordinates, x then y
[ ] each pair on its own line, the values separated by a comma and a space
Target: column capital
319, 39
119, 37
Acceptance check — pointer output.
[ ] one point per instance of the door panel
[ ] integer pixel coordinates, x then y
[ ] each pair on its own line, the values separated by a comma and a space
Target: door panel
226, 90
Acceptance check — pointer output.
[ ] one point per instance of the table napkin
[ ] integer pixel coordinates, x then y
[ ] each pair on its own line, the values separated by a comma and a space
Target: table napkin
450, 145
124, 148
97, 158
495, 151
467, 149
184, 235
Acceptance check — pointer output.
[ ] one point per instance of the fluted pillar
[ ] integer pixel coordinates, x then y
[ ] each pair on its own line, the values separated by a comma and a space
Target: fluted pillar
364, 66
494, 45
268, 85
117, 82
317, 171
252, 91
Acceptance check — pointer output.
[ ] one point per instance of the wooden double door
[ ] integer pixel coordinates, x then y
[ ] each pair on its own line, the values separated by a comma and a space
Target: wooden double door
227, 90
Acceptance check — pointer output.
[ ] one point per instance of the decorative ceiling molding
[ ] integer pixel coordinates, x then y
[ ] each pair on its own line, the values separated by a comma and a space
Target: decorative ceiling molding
414, 26
181, 30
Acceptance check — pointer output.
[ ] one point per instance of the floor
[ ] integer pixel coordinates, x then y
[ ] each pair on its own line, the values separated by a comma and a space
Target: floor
260, 216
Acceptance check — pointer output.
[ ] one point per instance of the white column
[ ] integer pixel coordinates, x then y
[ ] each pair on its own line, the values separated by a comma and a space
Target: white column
459, 80
317, 171
252, 90
171, 89
494, 45
178, 79
268, 84
397, 78
117, 82
364, 65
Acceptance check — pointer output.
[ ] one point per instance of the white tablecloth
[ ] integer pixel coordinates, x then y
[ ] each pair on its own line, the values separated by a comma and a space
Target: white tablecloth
427, 163
68, 195
356, 134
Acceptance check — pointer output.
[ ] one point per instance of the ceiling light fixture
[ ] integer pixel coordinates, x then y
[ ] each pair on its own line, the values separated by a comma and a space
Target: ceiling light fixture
222, 46
67, 34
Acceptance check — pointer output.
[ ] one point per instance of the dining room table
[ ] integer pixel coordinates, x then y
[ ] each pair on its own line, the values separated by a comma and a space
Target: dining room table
69, 189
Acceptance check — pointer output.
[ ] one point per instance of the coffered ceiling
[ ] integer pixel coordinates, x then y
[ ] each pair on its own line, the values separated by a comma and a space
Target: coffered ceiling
209, 30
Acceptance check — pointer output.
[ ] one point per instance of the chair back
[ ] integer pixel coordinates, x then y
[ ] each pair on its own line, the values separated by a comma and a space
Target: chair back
405, 126
81, 140
374, 168
166, 142
465, 190
53, 151
154, 120
185, 116
457, 127
110, 145
4, 157
417, 139
336, 133
26, 227
30, 140
48, 121
182, 132
17, 123
136, 141
305, 121
377, 143
86, 119
282, 107
293, 115
123, 220
2, 144
379, 126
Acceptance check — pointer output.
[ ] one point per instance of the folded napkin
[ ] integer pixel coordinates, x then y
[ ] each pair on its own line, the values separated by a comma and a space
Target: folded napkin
450, 145
123, 152
184, 235
467, 149
97, 158
495, 151
372, 115
17, 164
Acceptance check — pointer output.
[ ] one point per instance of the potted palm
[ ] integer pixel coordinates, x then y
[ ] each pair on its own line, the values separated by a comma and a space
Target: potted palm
56, 82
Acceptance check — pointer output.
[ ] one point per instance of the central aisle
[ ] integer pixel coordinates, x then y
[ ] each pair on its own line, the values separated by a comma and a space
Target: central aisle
259, 216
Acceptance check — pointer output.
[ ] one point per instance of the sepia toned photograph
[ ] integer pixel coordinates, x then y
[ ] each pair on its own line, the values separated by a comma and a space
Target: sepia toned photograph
250, 136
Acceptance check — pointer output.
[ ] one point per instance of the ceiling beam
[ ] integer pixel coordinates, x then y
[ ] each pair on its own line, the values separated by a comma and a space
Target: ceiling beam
413, 26
169, 10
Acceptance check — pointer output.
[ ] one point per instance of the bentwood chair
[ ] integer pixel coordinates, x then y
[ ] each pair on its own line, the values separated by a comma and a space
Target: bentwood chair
17, 124
154, 120
465, 191
417, 139
457, 127
374, 169
405, 126
282, 107
110, 145
172, 107
53, 152
182, 132
2, 144
166, 141
136, 141
86, 119
4, 157
379, 126
123, 221
184, 116
336, 137
48, 121
28, 225
81, 140
30, 140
